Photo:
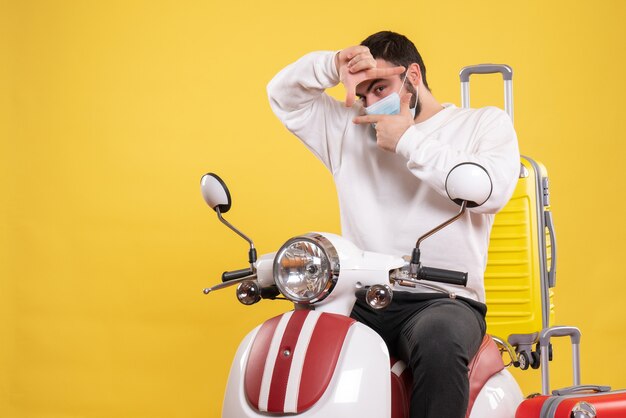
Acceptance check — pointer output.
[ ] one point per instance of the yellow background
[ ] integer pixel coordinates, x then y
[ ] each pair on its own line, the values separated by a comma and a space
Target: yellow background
110, 111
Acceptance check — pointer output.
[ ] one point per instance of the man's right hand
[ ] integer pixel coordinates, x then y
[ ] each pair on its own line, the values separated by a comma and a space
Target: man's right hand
355, 65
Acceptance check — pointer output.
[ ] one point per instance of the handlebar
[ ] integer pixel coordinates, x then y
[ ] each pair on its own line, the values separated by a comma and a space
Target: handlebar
236, 274
442, 276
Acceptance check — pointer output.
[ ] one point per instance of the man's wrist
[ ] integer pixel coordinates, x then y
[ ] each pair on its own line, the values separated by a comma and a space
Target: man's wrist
327, 67
408, 142
336, 64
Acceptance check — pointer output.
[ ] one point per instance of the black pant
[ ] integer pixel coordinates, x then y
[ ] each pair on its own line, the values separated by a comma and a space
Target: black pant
437, 337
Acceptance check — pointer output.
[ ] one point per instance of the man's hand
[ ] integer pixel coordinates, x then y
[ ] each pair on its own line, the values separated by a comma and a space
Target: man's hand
355, 65
390, 128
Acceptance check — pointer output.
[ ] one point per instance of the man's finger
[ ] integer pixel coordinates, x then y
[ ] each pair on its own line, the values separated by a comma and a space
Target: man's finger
368, 119
405, 104
361, 65
383, 72
353, 51
349, 99
350, 94
359, 57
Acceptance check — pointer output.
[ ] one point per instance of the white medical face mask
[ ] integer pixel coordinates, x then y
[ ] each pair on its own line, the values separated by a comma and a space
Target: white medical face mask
389, 105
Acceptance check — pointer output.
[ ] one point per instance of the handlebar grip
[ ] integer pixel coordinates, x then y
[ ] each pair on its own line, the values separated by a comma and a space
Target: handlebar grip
236, 274
442, 276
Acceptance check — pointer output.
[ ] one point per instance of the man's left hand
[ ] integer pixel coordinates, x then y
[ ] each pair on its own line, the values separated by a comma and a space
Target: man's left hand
390, 128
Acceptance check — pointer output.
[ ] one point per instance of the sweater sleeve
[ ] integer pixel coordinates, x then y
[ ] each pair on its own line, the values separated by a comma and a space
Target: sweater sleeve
297, 97
494, 147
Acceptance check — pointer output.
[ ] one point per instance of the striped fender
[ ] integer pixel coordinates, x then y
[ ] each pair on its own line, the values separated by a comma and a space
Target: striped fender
292, 360
401, 383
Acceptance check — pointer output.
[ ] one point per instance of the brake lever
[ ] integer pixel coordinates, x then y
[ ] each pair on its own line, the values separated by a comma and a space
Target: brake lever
402, 277
228, 283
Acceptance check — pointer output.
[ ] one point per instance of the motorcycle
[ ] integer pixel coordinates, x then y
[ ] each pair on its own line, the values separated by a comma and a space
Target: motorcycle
316, 361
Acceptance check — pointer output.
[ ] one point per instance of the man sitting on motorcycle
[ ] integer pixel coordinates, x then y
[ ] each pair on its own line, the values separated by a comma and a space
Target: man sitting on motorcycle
389, 160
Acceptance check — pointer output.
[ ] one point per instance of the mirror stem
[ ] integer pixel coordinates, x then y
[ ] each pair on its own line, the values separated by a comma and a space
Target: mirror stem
252, 253
415, 257
443, 225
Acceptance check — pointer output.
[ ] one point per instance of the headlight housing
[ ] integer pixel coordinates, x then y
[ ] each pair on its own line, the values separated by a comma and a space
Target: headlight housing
306, 268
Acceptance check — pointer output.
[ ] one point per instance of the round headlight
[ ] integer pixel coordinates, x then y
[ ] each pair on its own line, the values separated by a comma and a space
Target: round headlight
306, 268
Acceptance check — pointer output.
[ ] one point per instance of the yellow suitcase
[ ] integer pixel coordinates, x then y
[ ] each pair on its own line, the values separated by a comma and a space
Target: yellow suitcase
521, 266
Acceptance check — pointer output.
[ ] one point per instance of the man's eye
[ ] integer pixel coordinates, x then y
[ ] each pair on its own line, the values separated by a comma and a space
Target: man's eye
379, 89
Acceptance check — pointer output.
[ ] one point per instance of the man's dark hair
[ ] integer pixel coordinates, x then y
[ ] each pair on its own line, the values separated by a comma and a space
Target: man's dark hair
396, 49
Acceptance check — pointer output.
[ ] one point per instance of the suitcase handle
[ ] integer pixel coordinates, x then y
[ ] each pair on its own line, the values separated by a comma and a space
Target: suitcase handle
507, 76
505, 70
550, 227
580, 388
544, 343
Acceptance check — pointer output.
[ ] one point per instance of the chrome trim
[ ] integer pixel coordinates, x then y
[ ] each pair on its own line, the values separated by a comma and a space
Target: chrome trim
331, 254
504, 346
375, 293
248, 292
444, 224
232, 227
238, 232
228, 284
403, 277
583, 410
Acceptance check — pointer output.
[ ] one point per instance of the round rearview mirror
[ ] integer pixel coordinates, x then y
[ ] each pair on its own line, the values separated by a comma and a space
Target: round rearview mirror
469, 182
215, 192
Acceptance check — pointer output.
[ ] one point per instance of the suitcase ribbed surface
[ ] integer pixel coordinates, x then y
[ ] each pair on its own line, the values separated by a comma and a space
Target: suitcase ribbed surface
513, 277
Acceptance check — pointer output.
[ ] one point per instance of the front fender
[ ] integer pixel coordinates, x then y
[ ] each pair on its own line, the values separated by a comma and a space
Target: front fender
335, 367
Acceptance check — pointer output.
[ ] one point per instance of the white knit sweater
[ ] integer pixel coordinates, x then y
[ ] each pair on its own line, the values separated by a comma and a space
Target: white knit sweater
388, 200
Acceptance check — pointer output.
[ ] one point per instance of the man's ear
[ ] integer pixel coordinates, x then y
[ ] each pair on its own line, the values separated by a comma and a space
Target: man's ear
415, 74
